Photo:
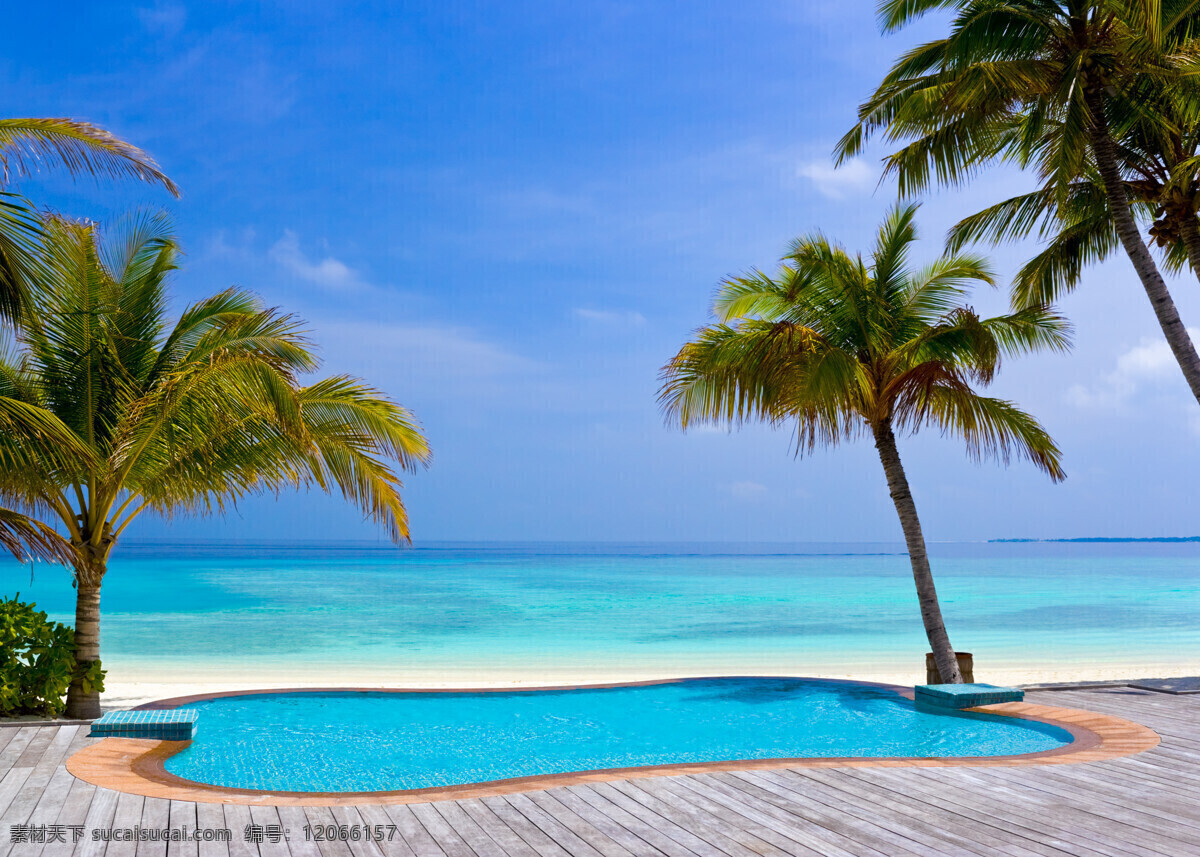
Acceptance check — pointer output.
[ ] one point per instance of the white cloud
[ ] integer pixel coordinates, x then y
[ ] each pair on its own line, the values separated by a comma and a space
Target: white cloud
852, 178
620, 318
1146, 364
329, 273
748, 490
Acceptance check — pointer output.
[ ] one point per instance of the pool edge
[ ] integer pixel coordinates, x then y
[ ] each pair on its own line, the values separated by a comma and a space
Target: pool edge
137, 766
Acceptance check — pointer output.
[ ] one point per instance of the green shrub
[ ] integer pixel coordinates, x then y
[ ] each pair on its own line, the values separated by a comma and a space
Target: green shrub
37, 661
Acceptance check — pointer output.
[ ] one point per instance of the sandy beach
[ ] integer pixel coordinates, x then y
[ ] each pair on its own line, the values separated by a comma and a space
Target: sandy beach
129, 693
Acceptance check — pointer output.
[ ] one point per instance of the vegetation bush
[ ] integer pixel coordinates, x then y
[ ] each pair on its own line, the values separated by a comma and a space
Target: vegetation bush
37, 661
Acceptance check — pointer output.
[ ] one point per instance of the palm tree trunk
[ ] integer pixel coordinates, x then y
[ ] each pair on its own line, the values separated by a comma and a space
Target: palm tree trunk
1180, 343
85, 704
906, 508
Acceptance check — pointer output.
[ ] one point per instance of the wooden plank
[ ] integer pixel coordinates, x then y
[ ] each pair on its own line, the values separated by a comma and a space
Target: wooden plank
563, 835
237, 819
542, 844
73, 814
509, 840
697, 837
319, 821
392, 844
654, 792
182, 817
632, 836
600, 840
16, 746
265, 821
1085, 815
466, 827
47, 803
10, 786
913, 833
964, 829
1037, 821
415, 835
664, 836
745, 816
127, 816
100, 817
1152, 799
81, 740
294, 820
804, 807
808, 832
59, 748
156, 816
445, 836
45, 776
6, 735
1163, 777
43, 737
209, 816
350, 817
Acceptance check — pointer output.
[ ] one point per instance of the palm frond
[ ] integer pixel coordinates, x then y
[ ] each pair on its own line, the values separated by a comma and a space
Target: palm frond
993, 428
84, 149
28, 539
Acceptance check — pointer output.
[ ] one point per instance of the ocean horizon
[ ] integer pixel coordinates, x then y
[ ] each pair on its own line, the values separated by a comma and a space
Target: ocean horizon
369, 613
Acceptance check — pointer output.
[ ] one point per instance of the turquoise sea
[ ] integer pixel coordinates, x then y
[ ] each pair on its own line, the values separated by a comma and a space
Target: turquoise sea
368, 611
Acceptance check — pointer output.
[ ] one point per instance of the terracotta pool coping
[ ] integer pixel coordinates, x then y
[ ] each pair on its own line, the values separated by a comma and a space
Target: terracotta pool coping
137, 765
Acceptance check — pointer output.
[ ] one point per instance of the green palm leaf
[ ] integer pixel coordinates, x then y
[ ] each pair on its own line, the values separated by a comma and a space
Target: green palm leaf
26, 145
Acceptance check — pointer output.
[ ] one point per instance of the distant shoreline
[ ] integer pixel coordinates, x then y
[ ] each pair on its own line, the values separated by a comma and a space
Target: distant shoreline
1106, 539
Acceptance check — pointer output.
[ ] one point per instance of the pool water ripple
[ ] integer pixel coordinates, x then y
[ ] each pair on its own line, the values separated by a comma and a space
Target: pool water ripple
384, 741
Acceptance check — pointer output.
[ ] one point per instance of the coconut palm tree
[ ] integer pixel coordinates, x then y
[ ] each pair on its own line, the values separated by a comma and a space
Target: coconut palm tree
1039, 83
843, 348
175, 418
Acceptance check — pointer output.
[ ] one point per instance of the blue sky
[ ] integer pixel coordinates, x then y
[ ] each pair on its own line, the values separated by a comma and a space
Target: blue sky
509, 215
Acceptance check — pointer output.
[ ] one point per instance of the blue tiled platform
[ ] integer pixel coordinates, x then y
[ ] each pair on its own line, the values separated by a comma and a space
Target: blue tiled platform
169, 725
966, 695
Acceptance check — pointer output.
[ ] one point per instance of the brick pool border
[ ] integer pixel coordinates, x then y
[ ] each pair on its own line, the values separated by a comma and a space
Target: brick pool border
137, 765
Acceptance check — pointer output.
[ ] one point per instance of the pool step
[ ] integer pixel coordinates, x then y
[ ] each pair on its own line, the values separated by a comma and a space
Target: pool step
966, 695
171, 724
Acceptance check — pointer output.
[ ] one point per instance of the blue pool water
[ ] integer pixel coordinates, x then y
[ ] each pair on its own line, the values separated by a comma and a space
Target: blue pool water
384, 741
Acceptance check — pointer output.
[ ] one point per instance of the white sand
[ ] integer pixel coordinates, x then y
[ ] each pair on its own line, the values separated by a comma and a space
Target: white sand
134, 690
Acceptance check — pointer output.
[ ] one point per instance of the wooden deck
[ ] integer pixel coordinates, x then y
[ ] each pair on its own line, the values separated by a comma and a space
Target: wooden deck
1144, 804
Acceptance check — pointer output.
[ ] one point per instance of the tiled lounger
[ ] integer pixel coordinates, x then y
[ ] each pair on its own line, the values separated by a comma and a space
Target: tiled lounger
966, 695
171, 725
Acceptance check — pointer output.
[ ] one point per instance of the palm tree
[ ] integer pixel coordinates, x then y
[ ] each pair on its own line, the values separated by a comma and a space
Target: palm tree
1038, 83
844, 349
177, 418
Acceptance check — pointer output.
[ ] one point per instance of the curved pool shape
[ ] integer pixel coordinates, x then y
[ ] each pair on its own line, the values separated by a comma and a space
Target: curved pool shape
349, 741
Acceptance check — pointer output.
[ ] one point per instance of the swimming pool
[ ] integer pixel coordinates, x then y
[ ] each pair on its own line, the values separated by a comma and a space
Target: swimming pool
347, 741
